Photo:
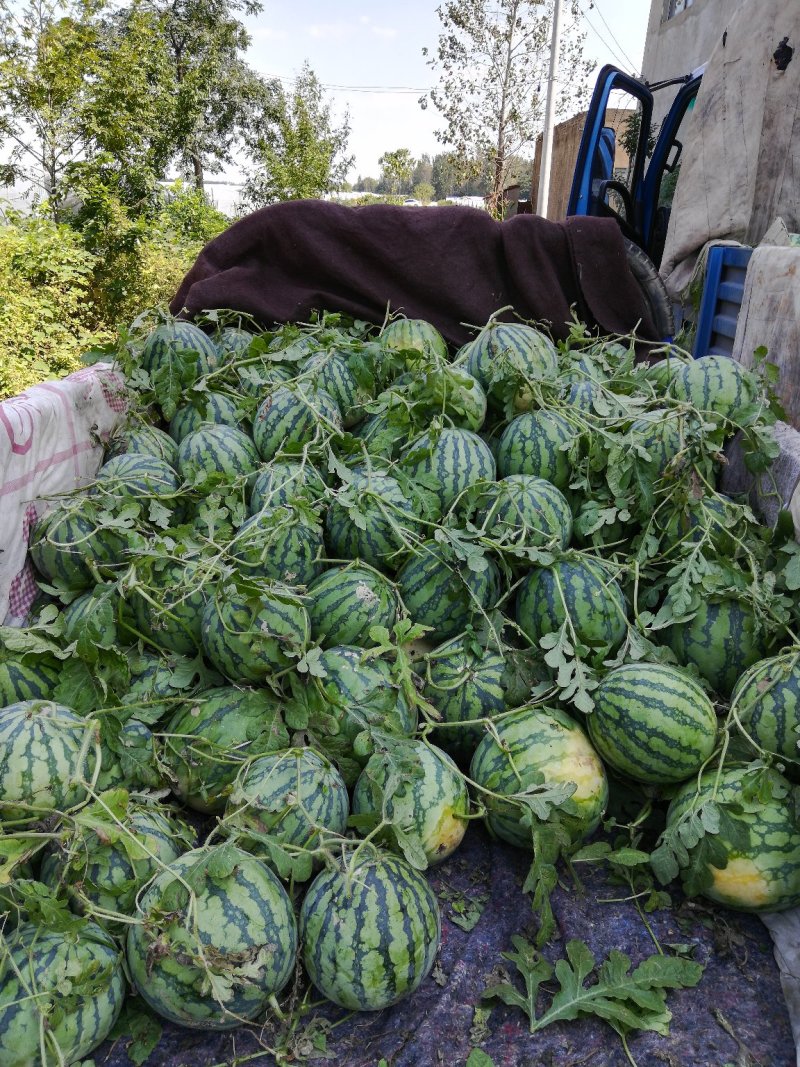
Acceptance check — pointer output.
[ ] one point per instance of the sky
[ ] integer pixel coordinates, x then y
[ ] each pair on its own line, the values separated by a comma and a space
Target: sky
368, 55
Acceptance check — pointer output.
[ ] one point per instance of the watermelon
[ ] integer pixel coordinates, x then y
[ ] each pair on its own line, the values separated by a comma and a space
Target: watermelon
289, 796
716, 384
385, 433
415, 337
233, 342
141, 439
354, 698
211, 407
215, 909
520, 513
370, 931
127, 756
70, 546
60, 994
766, 700
181, 347
578, 589
281, 544
534, 444
753, 863
661, 435
536, 746
443, 593
374, 520
159, 682
250, 632
102, 876
697, 517
653, 723
329, 372
256, 378
215, 455
448, 461
722, 641
136, 477
445, 391
95, 614
209, 738
592, 398
41, 760
168, 602
27, 676
464, 682
429, 800
281, 481
508, 358
346, 602
293, 417
663, 372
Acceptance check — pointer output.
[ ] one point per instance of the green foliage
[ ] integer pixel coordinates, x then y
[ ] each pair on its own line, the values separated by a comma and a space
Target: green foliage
396, 170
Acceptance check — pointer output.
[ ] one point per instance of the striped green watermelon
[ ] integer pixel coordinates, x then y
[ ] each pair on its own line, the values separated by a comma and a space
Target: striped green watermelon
754, 861
530, 747
448, 461
216, 455
430, 800
214, 912
168, 602
329, 372
136, 477
96, 613
353, 699
70, 546
592, 398
41, 760
370, 931
290, 796
533, 444
27, 676
699, 516
767, 703
280, 544
256, 378
60, 994
653, 723
281, 481
578, 589
178, 344
345, 603
663, 372
209, 738
722, 640
414, 337
385, 433
449, 392
127, 757
374, 519
233, 342
293, 417
207, 407
141, 439
248, 633
441, 592
507, 358
520, 513
464, 682
716, 384
660, 436
101, 876
160, 682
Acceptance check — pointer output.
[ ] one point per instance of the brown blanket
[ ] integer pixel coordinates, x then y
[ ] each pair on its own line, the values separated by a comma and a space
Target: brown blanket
453, 266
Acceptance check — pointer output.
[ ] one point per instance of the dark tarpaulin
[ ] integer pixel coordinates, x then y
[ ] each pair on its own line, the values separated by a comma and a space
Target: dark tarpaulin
448, 265
737, 1015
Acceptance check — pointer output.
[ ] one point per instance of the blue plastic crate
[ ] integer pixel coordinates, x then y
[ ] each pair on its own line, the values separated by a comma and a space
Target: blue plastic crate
722, 301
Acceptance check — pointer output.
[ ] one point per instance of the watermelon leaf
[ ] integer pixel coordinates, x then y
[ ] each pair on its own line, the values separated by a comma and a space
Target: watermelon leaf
141, 1030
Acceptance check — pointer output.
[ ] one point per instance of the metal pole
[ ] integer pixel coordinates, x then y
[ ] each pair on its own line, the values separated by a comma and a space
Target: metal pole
549, 115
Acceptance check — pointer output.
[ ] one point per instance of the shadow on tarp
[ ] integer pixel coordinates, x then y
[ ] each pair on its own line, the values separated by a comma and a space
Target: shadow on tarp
740, 987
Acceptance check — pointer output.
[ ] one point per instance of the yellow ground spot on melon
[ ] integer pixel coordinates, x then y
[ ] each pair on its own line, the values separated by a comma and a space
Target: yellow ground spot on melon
582, 766
447, 835
742, 882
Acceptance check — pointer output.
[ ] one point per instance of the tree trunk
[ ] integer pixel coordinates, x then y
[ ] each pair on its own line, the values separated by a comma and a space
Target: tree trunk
197, 167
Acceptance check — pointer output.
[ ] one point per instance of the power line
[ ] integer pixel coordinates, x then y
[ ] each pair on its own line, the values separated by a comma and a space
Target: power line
624, 63
593, 5
397, 89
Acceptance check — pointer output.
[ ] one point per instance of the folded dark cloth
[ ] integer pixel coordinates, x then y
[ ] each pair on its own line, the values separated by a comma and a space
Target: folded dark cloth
452, 266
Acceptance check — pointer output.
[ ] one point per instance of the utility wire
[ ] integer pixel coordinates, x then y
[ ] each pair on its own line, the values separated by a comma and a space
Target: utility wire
594, 6
624, 63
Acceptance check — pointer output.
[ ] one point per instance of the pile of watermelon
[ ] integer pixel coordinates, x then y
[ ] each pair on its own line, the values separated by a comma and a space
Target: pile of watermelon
336, 591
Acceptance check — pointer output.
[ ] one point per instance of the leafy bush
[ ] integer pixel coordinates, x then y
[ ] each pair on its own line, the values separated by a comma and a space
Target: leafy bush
46, 315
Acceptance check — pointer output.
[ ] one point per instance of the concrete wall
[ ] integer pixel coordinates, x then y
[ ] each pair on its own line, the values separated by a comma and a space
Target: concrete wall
678, 45
566, 141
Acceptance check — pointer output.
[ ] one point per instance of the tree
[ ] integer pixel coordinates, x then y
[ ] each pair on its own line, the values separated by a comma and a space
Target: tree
492, 58
396, 170
303, 156
424, 192
423, 170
